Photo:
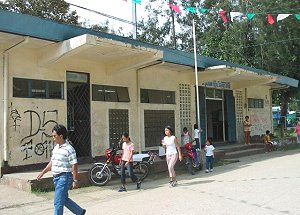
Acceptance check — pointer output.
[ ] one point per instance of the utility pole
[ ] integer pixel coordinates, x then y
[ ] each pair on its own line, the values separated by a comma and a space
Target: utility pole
134, 21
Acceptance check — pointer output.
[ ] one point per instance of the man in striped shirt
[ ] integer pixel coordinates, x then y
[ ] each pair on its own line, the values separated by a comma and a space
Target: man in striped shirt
63, 165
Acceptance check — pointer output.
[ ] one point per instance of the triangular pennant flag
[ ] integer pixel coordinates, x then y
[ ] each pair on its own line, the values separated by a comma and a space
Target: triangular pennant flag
203, 10
297, 16
234, 15
271, 21
175, 8
282, 16
191, 9
137, 1
250, 16
223, 15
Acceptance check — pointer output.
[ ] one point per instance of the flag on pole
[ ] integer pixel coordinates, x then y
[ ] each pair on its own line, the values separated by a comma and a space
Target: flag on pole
250, 16
282, 16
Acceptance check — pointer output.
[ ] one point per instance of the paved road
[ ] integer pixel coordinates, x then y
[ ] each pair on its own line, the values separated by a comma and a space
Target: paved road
260, 184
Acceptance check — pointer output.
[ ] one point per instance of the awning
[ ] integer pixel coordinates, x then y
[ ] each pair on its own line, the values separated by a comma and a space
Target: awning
115, 55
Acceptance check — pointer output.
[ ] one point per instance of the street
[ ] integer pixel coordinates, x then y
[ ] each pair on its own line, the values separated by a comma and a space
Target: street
260, 184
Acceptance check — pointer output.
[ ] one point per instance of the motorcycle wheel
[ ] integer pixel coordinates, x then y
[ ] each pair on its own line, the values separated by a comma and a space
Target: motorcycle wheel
99, 179
141, 170
189, 165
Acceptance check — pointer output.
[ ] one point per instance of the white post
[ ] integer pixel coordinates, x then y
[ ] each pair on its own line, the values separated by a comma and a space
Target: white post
134, 20
196, 77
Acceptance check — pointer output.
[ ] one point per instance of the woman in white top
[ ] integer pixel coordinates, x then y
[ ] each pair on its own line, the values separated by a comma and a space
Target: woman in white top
172, 151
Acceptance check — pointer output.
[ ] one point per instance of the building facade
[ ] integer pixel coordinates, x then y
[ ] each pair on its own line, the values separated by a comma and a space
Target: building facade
101, 85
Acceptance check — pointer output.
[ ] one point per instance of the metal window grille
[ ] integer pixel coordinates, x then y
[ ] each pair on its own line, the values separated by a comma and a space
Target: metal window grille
118, 124
185, 104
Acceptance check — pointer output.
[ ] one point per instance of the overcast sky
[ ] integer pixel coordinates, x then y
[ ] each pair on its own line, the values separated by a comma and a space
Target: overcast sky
117, 8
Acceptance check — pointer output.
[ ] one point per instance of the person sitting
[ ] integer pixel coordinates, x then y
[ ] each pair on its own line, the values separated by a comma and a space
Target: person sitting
267, 141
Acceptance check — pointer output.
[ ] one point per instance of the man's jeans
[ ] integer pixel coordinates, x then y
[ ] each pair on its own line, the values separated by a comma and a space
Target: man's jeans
209, 162
62, 183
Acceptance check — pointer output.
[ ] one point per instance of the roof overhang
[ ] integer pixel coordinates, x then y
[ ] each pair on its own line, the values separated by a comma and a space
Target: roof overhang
115, 55
238, 78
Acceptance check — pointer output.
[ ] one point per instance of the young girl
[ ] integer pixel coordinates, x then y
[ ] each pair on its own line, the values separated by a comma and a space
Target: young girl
209, 152
127, 161
247, 130
197, 135
171, 143
185, 136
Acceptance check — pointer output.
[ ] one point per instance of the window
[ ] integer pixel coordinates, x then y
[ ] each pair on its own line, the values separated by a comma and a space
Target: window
32, 88
255, 103
157, 96
110, 93
214, 93
155, 122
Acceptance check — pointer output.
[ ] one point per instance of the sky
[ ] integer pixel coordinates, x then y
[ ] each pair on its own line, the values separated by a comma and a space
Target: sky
118, 8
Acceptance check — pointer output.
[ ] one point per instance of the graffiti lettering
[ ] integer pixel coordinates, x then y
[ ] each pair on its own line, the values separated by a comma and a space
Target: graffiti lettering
15, 116
40, 127
27, 148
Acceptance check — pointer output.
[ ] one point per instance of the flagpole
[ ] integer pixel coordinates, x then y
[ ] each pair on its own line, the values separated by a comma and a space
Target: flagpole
134, 20
196, 77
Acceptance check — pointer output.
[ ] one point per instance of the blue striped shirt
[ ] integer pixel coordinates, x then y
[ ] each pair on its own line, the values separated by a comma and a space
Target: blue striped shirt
63, 157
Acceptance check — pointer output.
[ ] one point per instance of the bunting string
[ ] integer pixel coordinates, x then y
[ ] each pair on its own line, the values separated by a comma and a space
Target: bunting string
233, 15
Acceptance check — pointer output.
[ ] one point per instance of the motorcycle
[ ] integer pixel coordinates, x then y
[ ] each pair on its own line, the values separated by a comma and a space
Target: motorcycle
192, 158
100, 173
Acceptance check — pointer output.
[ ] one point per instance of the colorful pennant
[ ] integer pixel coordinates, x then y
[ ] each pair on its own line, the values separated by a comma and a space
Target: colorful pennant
223, 15
270, 19
175, 8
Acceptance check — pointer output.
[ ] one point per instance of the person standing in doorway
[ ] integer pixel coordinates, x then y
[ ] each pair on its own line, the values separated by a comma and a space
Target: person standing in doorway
63, 165
247, 129
172, 153
297, 131
127, 161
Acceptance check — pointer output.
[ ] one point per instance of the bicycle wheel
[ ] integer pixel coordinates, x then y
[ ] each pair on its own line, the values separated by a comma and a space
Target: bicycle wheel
141, 170
99, 174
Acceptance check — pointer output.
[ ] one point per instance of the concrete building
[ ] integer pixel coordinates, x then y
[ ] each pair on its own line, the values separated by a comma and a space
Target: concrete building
101, 85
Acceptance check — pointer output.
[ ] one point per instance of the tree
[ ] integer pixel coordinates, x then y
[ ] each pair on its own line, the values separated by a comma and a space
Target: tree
56, 10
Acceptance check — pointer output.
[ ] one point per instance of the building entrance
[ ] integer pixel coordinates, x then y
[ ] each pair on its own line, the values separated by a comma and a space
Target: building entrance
215, 119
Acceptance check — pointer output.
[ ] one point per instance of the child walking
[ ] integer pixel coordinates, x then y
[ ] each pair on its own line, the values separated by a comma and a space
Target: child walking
209, 153
127, 161
172, 151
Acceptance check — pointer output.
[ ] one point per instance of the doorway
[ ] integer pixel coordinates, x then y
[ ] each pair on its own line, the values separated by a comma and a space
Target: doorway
215, 119
78, 112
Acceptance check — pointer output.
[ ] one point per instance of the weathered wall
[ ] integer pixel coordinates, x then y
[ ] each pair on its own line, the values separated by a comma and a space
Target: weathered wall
261, 118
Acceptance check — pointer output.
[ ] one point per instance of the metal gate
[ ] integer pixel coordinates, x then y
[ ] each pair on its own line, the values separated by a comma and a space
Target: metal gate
78, 115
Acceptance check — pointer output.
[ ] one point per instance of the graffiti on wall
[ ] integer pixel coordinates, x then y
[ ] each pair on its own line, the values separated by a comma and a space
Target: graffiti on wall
37, 140
259, 124
16, 117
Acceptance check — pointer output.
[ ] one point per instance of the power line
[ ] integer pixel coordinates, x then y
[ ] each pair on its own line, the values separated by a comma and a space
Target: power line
104, 14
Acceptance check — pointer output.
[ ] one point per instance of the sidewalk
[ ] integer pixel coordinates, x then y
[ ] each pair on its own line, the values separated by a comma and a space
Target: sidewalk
259, 184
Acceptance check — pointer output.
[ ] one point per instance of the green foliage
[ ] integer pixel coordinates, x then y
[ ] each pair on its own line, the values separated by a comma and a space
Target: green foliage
56, 10
255, 43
